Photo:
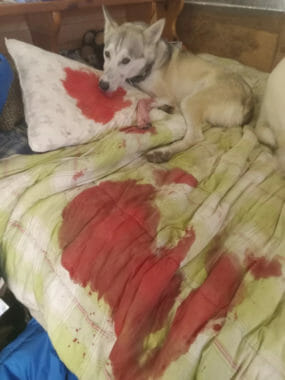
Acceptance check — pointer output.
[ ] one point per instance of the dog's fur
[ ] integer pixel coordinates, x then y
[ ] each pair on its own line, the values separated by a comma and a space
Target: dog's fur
203, 92
270, 126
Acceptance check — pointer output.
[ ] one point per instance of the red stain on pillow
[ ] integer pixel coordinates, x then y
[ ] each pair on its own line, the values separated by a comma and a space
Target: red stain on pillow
93, 103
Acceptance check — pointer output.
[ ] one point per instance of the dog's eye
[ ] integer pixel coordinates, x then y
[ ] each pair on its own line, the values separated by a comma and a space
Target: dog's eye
125, 61
107, 54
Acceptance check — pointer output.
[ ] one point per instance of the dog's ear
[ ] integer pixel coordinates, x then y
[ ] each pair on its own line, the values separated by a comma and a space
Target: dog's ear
110, 23
153, 33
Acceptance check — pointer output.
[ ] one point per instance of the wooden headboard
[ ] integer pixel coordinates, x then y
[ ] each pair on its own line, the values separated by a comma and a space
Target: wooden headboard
61, 23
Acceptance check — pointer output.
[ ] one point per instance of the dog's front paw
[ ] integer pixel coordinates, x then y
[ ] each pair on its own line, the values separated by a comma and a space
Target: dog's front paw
158, 156
166, 108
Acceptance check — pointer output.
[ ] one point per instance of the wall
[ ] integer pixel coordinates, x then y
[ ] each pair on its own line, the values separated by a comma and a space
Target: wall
253, 37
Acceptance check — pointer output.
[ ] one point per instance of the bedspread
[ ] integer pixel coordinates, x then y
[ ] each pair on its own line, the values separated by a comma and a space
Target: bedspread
144, 271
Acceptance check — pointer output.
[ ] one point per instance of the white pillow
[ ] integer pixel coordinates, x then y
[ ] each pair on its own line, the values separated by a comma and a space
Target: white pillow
62, 101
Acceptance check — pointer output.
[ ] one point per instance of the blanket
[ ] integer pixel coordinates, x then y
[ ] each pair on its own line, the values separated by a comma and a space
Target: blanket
143, 271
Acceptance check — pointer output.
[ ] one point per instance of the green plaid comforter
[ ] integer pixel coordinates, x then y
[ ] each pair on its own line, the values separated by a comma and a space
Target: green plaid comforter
144, 271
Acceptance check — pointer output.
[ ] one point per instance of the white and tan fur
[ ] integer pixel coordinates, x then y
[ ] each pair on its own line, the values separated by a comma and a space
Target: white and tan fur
201, 91
270, 126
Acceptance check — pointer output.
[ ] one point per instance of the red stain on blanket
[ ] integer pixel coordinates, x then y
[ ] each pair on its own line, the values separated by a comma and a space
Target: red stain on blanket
110, 244
260, 267
175, 175
210, 300
217, 327
108, 236
93, 103
77, 175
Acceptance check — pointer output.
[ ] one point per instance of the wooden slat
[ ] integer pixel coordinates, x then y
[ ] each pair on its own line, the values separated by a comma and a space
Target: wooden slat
47, 20
44, 28
170, 10
61, 5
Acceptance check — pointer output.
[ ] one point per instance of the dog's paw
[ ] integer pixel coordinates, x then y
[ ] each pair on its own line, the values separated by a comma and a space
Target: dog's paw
166, 108
158, 156
157, 114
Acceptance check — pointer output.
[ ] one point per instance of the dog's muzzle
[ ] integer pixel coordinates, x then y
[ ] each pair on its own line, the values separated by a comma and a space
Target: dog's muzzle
104, 85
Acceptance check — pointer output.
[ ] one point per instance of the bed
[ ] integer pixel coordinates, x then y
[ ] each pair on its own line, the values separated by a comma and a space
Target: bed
144, 271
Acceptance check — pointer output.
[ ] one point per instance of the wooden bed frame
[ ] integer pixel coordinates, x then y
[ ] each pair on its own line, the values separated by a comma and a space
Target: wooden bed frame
44, 19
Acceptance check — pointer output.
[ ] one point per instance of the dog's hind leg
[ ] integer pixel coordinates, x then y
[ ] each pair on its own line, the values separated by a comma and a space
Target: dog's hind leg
192, 111
221, 105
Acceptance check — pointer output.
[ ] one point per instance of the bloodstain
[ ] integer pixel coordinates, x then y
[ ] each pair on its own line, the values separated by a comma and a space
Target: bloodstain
260, 267
93, 103
110, 244
78, 175
210, 300
137, 130
108, 239
217, 327
175, 175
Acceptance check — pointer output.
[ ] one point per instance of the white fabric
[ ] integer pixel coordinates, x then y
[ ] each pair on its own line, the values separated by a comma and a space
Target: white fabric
53, 117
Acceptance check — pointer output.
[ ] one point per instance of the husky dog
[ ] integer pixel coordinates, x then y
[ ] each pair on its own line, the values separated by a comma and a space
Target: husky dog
270, 126
201, 91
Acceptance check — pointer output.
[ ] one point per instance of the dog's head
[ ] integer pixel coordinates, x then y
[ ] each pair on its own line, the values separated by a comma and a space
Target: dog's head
129, 49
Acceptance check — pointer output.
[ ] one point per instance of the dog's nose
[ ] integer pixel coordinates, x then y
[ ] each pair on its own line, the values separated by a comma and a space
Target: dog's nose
104, 85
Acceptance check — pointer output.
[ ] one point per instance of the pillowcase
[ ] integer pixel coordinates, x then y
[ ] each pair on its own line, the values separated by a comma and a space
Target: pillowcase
62, 101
